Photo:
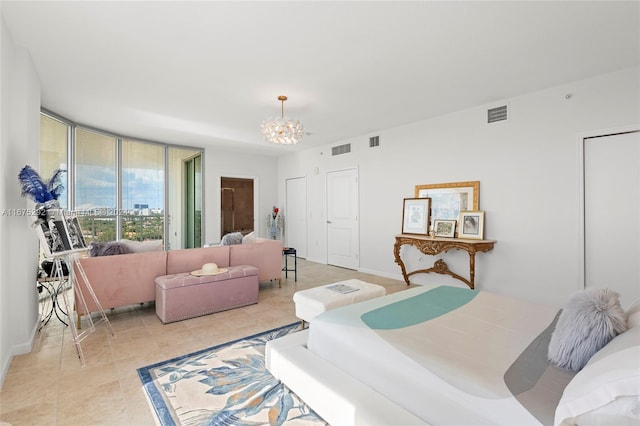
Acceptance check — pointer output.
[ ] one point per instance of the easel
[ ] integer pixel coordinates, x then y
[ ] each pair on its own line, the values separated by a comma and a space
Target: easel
61, 238
72, 259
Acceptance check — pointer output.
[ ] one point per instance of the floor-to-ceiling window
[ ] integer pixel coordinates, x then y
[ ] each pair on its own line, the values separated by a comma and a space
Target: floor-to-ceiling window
95, 190
54, 139
143, 178
124, 188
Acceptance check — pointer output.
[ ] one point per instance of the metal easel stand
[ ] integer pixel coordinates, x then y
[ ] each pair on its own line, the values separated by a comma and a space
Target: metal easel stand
73, 263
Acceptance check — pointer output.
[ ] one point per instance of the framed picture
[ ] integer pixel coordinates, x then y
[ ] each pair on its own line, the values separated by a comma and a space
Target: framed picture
74, 232
53, 233
444, 228
471, 225
449, 199
60, 234
415, 216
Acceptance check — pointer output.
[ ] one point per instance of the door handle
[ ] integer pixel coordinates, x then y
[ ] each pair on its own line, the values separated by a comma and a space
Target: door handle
328, 221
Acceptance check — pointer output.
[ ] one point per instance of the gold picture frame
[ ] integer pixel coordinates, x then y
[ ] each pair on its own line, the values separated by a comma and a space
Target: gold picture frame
449, 199
444, 228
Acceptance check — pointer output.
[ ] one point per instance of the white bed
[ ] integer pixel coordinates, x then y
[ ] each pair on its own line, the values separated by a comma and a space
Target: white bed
436, 355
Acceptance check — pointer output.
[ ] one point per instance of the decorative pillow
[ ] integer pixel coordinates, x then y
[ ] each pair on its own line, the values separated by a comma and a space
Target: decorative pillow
633, 314
249, 238
589, 321
143, 246
607, 388
109, 248
231, 239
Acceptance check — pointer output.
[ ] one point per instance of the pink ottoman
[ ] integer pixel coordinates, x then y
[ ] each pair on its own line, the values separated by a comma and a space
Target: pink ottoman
183, 296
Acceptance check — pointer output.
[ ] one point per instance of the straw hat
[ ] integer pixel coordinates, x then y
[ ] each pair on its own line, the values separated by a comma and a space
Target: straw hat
209, 269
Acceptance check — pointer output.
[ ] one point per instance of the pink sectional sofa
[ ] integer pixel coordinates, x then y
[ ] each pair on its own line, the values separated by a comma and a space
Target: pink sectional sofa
129, 279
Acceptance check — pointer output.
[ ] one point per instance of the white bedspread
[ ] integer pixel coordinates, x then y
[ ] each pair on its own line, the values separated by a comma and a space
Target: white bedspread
448, 370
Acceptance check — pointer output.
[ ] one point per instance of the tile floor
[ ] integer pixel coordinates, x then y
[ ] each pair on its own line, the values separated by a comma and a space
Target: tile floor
48, 386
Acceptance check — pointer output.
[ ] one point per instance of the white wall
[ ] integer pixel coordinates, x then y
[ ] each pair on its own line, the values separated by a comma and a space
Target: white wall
232, 164
19, 145
528, 168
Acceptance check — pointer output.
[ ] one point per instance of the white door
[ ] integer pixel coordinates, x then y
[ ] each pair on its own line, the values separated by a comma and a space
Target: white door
342, 219
295, 215
612, 213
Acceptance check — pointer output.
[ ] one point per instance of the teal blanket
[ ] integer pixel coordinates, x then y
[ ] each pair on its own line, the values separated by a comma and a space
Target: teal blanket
418, 309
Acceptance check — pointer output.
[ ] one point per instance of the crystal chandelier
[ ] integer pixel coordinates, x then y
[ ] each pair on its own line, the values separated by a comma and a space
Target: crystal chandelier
281, 129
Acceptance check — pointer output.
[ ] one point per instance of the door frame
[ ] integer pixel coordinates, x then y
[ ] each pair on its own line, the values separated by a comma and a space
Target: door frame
326, 180
256, 200
582, 138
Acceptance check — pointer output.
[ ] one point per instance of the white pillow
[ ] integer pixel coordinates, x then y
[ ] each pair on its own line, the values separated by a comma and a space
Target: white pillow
623, 411
249, 238
633, 314
231, 238
610, 377
143, 246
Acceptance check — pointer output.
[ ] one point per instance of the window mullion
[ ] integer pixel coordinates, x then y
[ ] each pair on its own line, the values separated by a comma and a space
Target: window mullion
118, 188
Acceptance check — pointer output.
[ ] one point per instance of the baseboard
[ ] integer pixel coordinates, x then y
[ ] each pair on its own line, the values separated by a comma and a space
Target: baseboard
381, 274
20, 349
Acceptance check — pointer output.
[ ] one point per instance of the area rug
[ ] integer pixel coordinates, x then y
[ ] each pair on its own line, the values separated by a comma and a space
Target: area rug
227, 384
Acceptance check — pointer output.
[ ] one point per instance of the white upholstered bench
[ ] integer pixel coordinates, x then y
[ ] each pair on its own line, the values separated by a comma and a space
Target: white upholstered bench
312, 302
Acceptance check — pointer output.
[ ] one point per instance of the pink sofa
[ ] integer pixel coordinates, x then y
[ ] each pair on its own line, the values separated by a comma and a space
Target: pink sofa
129, 279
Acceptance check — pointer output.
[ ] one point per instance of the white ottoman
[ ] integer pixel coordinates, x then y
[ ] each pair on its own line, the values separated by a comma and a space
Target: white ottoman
312, 302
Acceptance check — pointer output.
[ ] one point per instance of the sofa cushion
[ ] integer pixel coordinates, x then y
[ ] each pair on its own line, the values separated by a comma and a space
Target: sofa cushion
143, 246
188, 260
249, 238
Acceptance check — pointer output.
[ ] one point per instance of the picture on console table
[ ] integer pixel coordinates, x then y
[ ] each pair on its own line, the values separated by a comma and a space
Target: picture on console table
449, 199
415, 216
471, 225
444, 228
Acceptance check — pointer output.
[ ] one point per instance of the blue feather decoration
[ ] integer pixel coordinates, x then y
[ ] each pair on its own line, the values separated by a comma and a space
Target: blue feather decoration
54, 185
34, 187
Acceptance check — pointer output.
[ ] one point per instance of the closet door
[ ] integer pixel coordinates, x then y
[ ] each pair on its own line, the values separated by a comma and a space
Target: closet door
612, 213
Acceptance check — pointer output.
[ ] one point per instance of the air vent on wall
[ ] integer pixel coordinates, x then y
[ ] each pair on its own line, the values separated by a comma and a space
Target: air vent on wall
497, 114
341, 149
374, 141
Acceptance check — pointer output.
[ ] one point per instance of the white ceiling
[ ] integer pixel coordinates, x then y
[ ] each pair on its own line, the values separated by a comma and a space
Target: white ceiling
206, 73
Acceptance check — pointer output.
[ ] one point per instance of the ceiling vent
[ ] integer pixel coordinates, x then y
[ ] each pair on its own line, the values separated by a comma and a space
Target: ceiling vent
497, 114
341, 149
374, 141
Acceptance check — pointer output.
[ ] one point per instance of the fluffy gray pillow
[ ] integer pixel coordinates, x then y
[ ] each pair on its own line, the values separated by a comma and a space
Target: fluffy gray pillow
589, 321
109, 248
231, 239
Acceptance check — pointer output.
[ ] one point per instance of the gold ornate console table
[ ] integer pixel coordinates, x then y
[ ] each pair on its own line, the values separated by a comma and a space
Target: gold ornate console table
434, 246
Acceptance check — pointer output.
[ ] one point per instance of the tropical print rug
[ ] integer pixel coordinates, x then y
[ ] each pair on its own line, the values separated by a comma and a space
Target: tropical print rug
224, 385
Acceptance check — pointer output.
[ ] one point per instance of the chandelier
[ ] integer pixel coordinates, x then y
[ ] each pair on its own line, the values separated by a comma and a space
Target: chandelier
281, 129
